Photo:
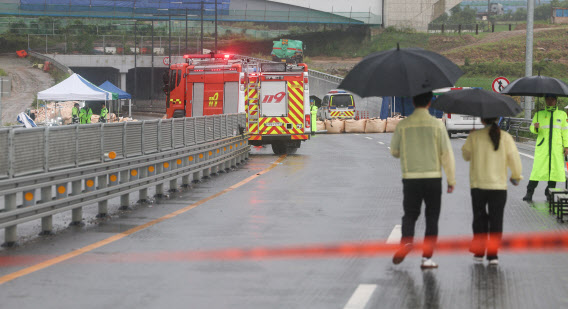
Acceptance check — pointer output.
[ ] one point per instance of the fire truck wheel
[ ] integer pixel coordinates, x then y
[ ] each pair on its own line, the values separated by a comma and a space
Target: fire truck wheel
179, 114
279, 148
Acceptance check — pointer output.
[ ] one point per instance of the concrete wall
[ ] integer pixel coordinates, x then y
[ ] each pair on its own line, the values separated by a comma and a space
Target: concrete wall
415, 14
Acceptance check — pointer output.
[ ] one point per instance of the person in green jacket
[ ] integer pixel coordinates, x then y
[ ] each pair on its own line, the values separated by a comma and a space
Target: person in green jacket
75, 113
314, 113
104, 114
551, 147
85, 114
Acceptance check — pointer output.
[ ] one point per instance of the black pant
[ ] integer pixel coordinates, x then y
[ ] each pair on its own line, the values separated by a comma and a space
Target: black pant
533, 184
415, 191
488, 207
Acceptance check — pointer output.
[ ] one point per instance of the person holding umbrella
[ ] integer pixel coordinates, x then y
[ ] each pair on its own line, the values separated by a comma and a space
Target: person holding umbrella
551, 146
423, 146
490, 152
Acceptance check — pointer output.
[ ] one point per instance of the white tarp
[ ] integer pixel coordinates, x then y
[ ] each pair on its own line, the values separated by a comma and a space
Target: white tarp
75, 87
26, 120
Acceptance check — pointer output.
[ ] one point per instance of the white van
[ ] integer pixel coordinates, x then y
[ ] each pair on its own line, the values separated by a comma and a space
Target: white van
457, 123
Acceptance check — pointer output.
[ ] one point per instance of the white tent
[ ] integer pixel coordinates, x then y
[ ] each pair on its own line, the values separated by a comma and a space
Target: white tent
74, 88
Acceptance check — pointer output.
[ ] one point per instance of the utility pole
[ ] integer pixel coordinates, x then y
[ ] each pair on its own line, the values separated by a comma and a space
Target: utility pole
152, 74
186, 50
529, 53
201, 44
215, 26
135, 70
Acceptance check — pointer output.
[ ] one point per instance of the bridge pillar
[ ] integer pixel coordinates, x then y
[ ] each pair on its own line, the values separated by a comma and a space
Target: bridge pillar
123, 80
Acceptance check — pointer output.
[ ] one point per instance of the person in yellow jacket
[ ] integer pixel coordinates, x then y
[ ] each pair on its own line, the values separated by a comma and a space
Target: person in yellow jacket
85, 114
490, 152
75, 113
104, 114
314, 114
424, 148
551, 146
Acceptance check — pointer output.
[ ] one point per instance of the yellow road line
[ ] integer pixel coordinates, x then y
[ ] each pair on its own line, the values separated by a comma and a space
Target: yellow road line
67, 256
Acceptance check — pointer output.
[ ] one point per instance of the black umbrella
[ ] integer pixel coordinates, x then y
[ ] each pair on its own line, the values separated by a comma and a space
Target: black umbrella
536, 86
404, 72
477, 102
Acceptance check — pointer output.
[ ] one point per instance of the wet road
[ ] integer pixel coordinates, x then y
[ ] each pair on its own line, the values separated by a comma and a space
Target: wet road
337, 188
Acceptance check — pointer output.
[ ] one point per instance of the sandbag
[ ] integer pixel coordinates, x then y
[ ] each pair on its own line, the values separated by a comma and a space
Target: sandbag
355, 126
376, 125
320, 126
335, 126
391, 123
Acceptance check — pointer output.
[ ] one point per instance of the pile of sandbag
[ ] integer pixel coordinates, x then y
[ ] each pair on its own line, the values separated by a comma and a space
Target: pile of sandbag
392, 122
320, 126
376, 125
55, 110
335, 126
355, 126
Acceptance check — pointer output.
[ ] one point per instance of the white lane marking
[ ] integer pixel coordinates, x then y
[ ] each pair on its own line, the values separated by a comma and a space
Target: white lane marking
356, 134
526, 155
388, 147
368, 137
381, 143
463, 139
361, 296
395, 235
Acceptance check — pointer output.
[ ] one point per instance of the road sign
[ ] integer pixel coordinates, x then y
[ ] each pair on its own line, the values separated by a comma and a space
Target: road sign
166, 61
499, 84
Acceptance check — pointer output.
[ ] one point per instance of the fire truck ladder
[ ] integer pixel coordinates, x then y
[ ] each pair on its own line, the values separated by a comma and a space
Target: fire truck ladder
252, 101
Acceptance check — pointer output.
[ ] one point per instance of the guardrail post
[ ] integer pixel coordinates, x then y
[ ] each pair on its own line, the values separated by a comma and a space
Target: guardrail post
10, 233
177, 163
76, 213
103, 205
125, 198
185, 182
160, 185
77, 145
211, 171
206, 172
193, 160
143, 193
46, 222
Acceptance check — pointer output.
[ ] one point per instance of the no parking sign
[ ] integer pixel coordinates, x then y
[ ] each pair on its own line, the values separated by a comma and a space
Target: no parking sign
499, 84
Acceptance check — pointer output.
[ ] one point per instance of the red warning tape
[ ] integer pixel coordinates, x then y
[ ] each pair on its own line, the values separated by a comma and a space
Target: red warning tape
529, 243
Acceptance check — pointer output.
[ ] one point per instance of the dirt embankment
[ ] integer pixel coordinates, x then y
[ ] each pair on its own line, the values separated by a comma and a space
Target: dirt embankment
26, 83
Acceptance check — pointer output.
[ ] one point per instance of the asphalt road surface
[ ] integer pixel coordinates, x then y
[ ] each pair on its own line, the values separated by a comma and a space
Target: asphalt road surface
337, 188
26, 83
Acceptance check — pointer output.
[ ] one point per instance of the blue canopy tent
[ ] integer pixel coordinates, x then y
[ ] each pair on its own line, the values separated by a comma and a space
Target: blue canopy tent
122, 95
402, 106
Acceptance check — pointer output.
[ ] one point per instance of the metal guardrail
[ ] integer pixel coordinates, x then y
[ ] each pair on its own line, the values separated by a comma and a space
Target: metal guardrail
40, 164
516, 125
56, 63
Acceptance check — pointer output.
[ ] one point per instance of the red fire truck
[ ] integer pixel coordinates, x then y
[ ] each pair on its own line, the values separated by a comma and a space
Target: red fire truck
277, 105
274, 96
208, 84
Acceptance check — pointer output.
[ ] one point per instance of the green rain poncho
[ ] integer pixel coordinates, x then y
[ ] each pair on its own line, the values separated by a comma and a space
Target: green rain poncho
548, 164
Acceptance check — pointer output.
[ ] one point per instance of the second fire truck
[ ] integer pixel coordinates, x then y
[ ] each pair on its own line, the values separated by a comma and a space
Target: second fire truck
274, 96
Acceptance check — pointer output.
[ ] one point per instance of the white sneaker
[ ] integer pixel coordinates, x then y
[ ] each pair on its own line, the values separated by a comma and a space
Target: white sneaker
494, 262
478, 259
428, 263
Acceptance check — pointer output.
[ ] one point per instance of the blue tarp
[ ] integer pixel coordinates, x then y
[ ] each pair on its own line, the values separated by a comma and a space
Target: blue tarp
108, 86
402, 106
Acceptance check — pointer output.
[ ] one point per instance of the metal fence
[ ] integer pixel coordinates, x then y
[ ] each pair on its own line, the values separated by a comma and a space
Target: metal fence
38, 165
